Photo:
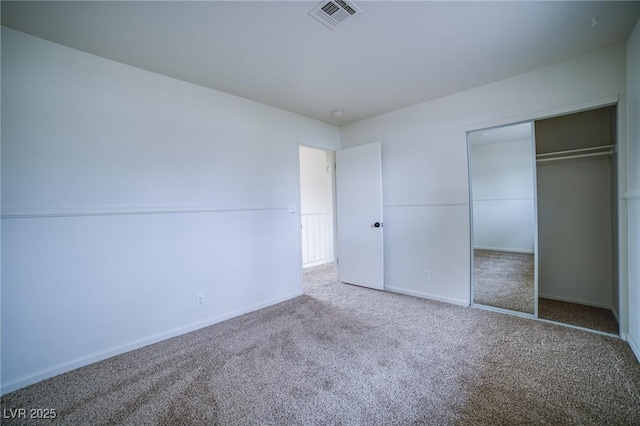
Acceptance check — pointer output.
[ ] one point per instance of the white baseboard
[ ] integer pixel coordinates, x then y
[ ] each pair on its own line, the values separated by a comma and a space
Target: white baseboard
429, 296
570, 300
634, 346
506, 250
102, 355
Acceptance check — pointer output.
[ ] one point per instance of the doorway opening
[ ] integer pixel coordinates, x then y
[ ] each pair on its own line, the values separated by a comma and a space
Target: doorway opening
317, 215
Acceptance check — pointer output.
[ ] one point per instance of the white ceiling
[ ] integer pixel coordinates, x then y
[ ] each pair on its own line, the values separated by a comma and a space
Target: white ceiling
392, 55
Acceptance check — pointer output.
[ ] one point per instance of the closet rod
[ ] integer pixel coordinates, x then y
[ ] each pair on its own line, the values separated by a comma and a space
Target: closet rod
572, 151
569, 157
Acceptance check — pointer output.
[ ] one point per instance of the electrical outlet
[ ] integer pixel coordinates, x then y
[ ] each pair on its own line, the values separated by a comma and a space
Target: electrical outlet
427, 275
200, 299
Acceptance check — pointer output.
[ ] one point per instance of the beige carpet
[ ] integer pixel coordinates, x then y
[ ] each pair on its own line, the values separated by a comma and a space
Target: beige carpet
347, 355
583, 316
504, 280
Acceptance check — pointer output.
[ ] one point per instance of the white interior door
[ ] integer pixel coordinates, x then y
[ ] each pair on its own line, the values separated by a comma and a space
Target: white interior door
359, 216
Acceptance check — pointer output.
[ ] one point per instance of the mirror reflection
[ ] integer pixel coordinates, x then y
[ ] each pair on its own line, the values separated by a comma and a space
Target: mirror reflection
501, 163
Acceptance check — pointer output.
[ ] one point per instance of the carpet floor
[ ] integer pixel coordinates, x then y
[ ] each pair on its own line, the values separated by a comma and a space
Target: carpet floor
505, 280
342, 354
583, 316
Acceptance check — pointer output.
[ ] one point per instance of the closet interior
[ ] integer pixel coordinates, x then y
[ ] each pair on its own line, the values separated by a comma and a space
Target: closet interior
544, 219
577, 219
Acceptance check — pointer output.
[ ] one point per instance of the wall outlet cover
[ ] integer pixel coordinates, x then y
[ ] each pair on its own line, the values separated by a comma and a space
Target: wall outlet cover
200, 299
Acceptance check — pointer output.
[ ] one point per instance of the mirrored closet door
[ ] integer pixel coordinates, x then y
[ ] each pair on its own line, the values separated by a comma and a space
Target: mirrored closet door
544, 219
503, 218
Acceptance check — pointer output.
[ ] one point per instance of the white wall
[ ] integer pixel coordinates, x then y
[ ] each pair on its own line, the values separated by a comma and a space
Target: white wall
502, 183
424, 163
633, 194
314, 181
124, 195
316, 205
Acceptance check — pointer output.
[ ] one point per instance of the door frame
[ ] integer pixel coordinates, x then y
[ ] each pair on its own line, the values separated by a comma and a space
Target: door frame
332, 213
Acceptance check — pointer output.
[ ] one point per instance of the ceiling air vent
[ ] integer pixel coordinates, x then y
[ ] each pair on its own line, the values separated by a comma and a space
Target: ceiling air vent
331, 13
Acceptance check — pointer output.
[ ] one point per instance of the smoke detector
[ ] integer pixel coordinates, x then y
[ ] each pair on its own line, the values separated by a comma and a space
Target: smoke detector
332, 13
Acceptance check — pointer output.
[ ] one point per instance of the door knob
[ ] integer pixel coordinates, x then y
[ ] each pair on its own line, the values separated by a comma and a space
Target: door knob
377, 225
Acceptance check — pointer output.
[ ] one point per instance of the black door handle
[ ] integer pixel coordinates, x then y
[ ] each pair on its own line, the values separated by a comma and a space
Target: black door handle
377, 225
